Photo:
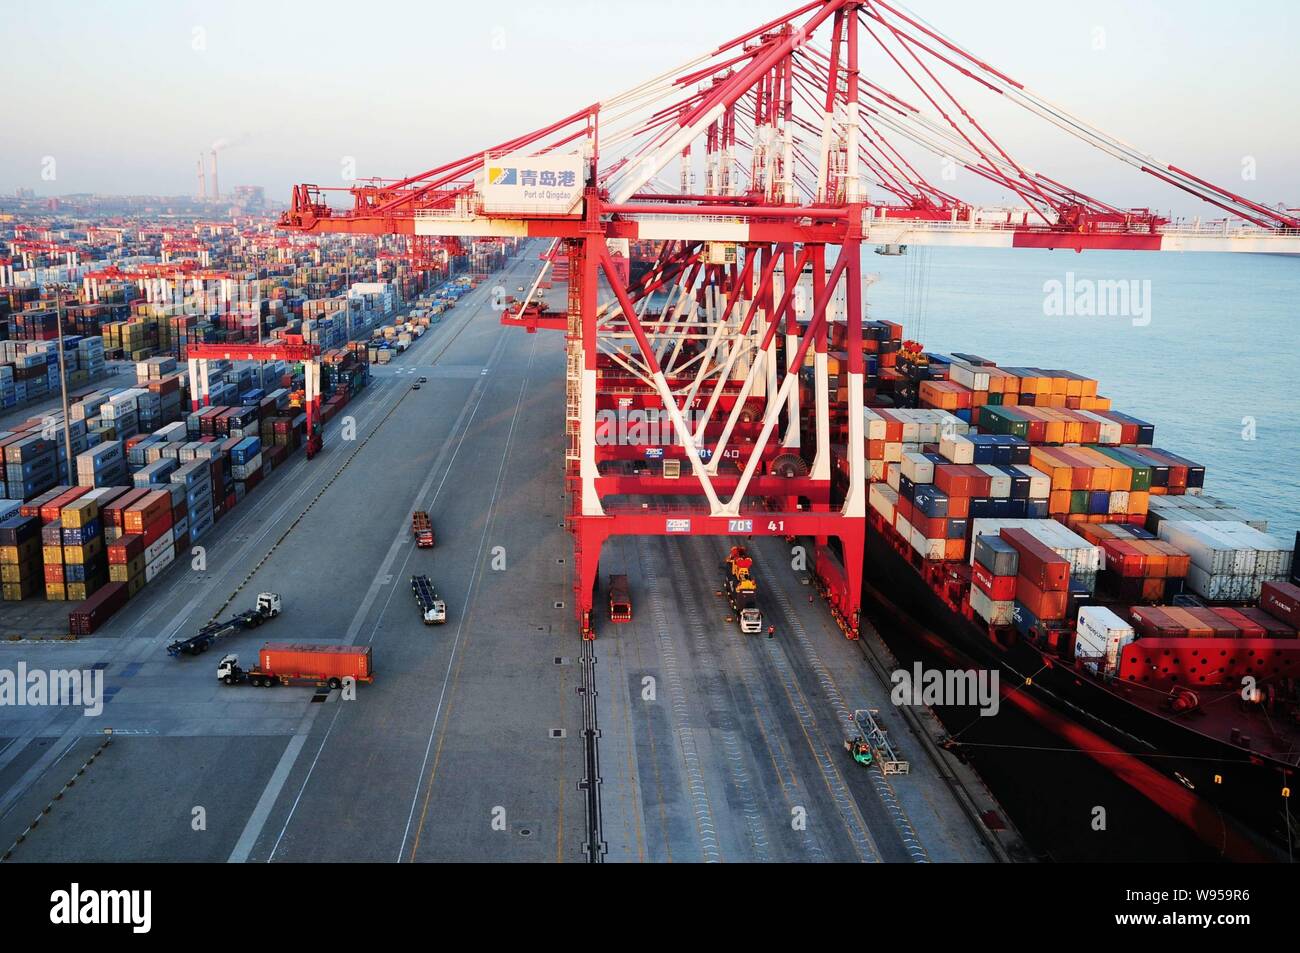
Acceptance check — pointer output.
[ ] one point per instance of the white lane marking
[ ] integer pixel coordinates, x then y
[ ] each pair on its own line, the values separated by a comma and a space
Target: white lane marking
258, 819
469, 592
244, 846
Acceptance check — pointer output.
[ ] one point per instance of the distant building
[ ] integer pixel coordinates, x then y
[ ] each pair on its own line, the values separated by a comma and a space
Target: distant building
249, 198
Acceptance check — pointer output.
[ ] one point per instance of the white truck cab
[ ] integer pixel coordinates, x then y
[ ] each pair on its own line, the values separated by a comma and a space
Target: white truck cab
227, 668
751, 621
436, 614
268, 604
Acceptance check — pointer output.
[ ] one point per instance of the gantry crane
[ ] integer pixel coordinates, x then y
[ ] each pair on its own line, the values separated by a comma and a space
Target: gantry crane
803, 162
291, 349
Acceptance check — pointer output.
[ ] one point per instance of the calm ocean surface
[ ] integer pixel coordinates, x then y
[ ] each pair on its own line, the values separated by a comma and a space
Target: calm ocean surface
1222, 344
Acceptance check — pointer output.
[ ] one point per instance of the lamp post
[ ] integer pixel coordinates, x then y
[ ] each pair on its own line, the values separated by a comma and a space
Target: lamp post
63, 377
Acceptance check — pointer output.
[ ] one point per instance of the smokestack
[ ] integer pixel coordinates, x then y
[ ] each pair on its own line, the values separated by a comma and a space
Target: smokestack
216, 189
203, 180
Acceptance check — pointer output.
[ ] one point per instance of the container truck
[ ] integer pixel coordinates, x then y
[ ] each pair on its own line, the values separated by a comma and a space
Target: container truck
432, 609
422, 529
268, 607
741, 590
280, 663
620, 601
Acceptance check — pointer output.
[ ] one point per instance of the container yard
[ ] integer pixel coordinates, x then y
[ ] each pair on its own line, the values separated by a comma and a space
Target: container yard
715, 557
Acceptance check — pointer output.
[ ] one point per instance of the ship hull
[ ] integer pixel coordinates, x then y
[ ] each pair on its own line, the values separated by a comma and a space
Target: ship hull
1246, 787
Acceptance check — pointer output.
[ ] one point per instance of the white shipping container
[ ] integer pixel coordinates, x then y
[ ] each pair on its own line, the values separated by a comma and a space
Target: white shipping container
1220, 586
892, 473
999, 482
968, 376
1102, 633
903, 527
1084, 558
1110, 431
875, 425
957, 448
159, 563
994, 613
162, 543
917, 468
884, 501
928, 548
1040, 484
1208, 547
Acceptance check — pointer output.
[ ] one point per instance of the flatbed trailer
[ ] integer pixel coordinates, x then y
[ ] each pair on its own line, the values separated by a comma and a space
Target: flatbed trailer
433, 610
268, 607
873, 745
422, 529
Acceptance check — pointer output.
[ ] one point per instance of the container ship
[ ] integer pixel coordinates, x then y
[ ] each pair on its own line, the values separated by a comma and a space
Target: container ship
1028, 525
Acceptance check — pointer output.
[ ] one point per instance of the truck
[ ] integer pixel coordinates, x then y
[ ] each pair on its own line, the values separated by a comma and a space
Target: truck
432, 609
268, 607
422, 529
741, 589
620, 601
281, 663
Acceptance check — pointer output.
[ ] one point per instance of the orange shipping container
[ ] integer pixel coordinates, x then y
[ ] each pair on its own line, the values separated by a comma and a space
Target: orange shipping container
317, 662
149, 510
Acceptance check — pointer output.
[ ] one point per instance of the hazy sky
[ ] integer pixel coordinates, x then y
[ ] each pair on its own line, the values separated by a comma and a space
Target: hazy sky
124, 95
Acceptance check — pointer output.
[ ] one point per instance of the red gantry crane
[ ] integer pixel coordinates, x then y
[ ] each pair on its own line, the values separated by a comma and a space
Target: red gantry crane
805, 156
291, 349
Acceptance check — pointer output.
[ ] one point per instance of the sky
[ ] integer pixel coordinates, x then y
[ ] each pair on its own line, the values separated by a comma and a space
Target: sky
121, 97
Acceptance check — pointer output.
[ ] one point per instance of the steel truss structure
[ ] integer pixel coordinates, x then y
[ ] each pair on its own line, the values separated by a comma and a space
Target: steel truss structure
726, 339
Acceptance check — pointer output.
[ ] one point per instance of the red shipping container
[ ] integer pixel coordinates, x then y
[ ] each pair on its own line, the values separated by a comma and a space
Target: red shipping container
997, 588
1049, 605
115, 513
980, 483
50, 511
952, 479
1039, 563
1153, 621
291, 659
151, 508
1248, 628
931, 527
96, 610
33, 506
1220, 627
155, 530
1196, 627
906, 508
1125, 558
1281, 600
1273, 628
125, 549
